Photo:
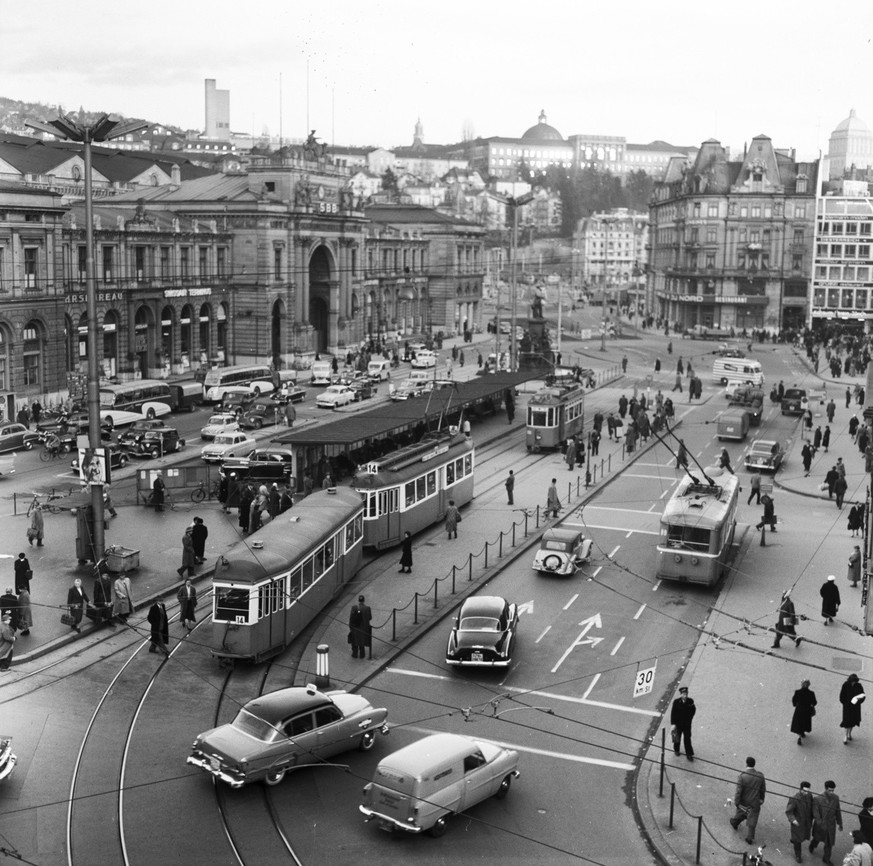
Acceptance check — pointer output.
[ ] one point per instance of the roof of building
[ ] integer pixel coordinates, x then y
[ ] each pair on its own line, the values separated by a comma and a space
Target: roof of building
852, 123
410, 213
211, 187
542, 132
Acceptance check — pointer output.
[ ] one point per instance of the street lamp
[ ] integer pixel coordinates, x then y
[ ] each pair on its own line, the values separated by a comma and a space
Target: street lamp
105, 128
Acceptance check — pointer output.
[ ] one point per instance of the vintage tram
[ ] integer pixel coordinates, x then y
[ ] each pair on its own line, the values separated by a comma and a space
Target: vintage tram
697, 528
269, 586
554, 414
409, 489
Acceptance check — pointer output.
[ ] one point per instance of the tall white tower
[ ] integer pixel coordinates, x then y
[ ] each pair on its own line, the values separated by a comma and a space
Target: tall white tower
217, 112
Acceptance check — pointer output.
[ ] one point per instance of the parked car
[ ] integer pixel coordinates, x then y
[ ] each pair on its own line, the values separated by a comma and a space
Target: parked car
116, 455
74, 422
227, 445
7, 758
483, 633
562, 551
271, 734
14, 436
730, 350
262, 464
236, 400
794, 401
408, 388
764, 455
223, 422
156, 443
291, 394
136, 430
363, 389
263, 412
7, 466
335, 396
424, 359
418, 787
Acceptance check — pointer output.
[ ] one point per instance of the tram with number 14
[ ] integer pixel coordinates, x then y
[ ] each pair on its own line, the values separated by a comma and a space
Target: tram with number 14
268, 587
697, 528
554, 414
409, 489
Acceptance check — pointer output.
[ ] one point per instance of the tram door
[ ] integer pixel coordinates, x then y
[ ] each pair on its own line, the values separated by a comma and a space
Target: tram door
389, 505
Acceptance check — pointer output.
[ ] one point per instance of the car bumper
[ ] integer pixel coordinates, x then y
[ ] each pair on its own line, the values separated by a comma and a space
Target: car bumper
205, 764
387, 822
484, 663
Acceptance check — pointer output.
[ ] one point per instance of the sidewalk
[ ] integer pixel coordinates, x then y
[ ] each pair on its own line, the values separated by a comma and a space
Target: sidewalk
743, 687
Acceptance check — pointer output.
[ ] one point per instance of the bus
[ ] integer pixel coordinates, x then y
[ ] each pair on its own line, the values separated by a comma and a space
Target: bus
259, 376
268, 587
409, 489
150, 397
697, 528
554, 414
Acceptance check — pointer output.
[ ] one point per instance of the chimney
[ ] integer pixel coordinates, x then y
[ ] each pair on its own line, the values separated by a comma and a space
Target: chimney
176, 175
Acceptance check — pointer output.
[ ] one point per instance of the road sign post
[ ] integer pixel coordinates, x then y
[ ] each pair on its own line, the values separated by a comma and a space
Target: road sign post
644, 680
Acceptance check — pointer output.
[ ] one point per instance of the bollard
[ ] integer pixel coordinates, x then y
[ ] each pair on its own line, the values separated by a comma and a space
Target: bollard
526, 518
415, 609
763, 535
322, 666
453, 580
672, 803
513, 533
538, 517
699, 834
486, 556
469, 567
394, 624
663, 769
500, 545
436, 587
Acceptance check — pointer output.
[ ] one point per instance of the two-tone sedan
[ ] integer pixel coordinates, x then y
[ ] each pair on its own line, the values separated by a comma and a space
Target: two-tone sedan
283, 730
226, 445
764, 455
484, 633
14, 436
221, 422
562, 551
335, 396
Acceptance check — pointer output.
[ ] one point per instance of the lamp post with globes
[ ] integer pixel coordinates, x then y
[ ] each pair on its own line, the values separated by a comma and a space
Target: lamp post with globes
105, 128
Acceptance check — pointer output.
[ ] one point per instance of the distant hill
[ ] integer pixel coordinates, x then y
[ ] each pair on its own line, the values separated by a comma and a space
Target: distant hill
13, 113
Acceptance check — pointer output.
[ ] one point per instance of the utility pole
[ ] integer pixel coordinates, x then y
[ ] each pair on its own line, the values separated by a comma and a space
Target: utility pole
866, 575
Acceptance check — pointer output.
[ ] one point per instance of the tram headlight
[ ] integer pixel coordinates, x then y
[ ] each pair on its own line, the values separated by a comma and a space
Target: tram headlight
695, 560
677, 557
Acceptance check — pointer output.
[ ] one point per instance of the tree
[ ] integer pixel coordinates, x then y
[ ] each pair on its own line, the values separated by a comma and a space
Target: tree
389, 182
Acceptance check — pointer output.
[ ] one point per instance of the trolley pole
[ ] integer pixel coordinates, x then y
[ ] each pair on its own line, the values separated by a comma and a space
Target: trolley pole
866, 576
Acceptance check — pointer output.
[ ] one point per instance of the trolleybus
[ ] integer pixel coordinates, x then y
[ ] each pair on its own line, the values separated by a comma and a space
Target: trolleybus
554, 414
217, 381
697, 528
269, 586
409, 489
150, 397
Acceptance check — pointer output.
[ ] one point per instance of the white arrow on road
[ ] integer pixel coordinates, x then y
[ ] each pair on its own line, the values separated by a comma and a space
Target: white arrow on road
527, 607
583, 639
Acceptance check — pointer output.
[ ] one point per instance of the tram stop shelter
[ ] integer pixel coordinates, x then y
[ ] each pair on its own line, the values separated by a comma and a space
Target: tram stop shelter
360, 437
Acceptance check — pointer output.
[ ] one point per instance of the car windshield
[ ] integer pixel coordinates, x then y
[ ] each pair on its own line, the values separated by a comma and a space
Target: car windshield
563, 546
253, 726
480, 623
218, 419
224, 440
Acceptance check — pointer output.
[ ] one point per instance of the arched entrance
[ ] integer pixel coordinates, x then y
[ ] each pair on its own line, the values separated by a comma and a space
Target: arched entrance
110, 344
277, 332
205, 341
320, 270
186, 336
143, 336
165, 350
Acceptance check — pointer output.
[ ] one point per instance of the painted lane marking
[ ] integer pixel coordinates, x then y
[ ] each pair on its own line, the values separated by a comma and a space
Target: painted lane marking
591, 687
571, 601
613, 528
615, 648
614, 551
640, 611
622, 510
545, 632
578, 759
550, 695
655, 477
582, 640
656, 586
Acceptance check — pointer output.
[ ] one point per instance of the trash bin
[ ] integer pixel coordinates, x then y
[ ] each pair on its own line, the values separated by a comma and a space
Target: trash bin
120, 560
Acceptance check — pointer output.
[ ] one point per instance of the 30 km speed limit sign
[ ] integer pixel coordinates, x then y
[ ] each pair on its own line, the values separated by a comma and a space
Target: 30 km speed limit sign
644, 681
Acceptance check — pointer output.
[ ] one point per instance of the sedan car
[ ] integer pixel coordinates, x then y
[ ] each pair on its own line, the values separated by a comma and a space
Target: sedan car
408, 388
335, 396
118, 458
562, 551
262, 464
156, 443
227, 445
291, 394
223, 422
281, 730
136, 430
483, 633
14, 436
75, 422
7, 758
764, 455
262, 412
424, 359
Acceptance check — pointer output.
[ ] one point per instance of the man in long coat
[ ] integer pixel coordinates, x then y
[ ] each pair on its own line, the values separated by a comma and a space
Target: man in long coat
830, 598
826, 818
360, 636
160, 625
799, 812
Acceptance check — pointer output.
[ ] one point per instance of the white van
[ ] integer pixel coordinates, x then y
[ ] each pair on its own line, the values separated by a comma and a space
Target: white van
379, 370
321, 372
417, 787
737, 369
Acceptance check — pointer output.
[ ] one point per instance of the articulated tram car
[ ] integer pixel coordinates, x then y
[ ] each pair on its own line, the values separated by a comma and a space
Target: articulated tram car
410, 489
554, 414
268, 587
697, 529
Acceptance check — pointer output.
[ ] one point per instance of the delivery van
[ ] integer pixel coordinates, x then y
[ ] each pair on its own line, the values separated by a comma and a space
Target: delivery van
379, 370
741, 370
321, 372
417, 787
733, 424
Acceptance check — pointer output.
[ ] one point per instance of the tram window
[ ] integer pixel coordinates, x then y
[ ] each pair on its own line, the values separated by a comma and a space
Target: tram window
537, 417
385, 500
420, 488
329, 555
393, 500
294, 584
350, 535
359, 526
318, 561
306, 574
231, 605
372, 502
459, 468
450, 473
468, 464
271, 597
410, 493
431, 483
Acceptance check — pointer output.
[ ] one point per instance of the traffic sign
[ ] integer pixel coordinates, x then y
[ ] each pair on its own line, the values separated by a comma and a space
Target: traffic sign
644, 681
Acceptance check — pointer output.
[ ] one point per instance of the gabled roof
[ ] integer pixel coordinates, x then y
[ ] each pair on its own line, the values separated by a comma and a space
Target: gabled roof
211, 187
410, 213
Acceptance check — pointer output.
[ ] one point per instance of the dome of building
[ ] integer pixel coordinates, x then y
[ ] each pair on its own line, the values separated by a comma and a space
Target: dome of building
542, 131
850, 146
852, 123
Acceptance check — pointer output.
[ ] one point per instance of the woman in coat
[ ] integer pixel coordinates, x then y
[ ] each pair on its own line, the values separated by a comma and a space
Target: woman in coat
188, 558
122, 598
804, 702
25, 615
785, 620
36, 529
453, 518
830, 599
23, 573
187, 596
77, 598
851, 697
854, 522
406, 554
7, 641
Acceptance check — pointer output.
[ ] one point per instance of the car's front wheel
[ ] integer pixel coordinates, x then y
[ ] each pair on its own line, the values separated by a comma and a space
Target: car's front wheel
503, 790
439, 828
368, 740
274, 776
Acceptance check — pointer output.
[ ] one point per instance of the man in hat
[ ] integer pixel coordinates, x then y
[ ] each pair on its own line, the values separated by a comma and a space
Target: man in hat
359, 629
830, 598
681, 715
827, 817
799, 813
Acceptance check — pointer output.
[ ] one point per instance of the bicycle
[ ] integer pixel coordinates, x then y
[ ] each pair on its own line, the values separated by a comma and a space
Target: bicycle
199, 493
46, 506
168, 502
53, 452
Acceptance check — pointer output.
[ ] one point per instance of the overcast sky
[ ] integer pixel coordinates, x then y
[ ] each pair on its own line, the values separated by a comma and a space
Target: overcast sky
682, 71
